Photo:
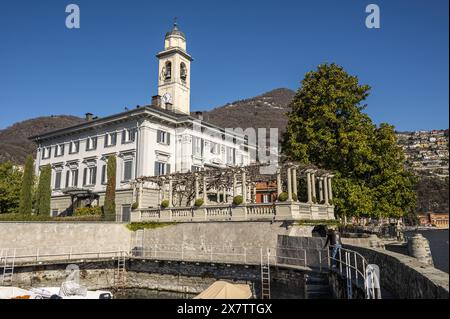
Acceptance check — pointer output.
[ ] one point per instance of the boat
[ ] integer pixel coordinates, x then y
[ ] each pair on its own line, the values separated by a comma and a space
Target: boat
224, 290
57, 293
16, 293
52, 293
69, 289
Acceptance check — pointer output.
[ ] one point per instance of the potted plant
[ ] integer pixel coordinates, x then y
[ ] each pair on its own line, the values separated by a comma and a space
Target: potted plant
165, 203
198, 202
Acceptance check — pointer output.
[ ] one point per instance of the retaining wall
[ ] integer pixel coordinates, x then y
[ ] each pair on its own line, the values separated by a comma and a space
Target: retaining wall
406, 277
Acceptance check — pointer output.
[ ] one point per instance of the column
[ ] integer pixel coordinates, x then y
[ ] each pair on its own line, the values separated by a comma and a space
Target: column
140, 195
308, 183
218, 194
294, 181
313, 186
289, 184
234, 185
254, 193
205, 195
325, 186
244, 190
170, 191
196, 187
279, 186
330, 190
320, 189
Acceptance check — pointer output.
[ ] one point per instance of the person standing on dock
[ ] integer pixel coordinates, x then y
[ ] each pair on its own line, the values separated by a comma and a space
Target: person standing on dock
334, 240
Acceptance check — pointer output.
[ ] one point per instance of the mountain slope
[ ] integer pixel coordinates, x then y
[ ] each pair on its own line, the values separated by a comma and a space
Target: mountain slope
14, 143
266, 110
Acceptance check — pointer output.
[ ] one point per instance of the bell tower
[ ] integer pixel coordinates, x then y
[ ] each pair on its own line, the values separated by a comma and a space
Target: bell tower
174, 72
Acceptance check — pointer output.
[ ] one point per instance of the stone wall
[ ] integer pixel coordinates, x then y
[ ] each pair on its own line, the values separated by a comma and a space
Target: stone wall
227, 234
57, 236
406, 277
164, 275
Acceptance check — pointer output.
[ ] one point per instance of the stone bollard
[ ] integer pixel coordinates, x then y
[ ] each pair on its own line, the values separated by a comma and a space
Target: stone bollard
418, 247
375, 242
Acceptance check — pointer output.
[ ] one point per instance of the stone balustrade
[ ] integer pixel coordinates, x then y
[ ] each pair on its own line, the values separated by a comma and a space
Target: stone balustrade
226, 212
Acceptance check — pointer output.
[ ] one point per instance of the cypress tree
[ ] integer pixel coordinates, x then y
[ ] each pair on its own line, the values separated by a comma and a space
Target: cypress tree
26, 199
110, 197
44, 191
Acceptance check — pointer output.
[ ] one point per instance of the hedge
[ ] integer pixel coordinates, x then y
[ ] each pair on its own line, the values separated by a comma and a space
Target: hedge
88, 211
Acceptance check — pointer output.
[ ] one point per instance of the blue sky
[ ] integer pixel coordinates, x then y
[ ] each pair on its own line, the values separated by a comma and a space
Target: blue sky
240, 49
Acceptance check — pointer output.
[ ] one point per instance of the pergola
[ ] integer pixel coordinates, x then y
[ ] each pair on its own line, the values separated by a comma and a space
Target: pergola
187, 187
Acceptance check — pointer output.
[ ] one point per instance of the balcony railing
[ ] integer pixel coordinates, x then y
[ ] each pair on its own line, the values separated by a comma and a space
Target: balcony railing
228, 212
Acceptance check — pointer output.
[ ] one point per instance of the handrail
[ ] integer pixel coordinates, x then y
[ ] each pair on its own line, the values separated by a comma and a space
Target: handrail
349, 264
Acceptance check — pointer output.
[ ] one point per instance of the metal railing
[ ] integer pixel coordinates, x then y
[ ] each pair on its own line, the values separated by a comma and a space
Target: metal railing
354, 268
350, 265
62, 253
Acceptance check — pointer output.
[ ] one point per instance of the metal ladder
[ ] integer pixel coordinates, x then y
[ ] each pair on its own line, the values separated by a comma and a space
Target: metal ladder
265, 276
139, 243
8, 266
120, 271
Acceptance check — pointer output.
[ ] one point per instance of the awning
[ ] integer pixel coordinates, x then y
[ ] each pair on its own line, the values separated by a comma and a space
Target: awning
225, 290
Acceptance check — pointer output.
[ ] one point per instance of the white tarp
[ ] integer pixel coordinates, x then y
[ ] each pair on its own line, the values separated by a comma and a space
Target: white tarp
225, 290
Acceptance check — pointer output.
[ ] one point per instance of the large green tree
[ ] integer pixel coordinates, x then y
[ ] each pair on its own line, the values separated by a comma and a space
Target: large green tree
44, 191
26, 193
327, 127
110, 196
10, 186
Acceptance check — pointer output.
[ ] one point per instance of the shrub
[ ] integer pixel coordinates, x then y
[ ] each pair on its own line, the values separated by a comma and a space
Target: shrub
165, 203
294, 197
80, 218
283, 197
18, 217
88, 211
314, 199
198, 202
237, 200
135, 206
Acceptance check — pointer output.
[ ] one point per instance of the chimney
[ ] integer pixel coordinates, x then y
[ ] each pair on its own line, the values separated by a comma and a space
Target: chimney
199, 115
156, 101
89, 116
169, 106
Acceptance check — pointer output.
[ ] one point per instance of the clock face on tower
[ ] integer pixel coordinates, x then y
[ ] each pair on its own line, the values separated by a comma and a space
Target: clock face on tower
167, 98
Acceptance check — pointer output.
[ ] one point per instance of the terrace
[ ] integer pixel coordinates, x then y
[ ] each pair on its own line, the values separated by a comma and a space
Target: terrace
304, 192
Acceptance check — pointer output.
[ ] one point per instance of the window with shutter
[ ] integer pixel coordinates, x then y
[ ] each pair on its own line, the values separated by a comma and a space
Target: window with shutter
128, 166
167, 170
104, 174
75, 178
94, 175
57, 180
85, 172
67, 178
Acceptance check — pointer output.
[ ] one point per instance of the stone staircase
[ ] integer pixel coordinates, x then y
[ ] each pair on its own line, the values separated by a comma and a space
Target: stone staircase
317, 286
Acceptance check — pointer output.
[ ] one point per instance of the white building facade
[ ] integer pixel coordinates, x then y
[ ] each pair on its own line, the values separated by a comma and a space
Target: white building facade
156, 139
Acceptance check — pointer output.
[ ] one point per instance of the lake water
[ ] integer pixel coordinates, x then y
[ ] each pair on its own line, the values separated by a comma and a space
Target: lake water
438, 239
